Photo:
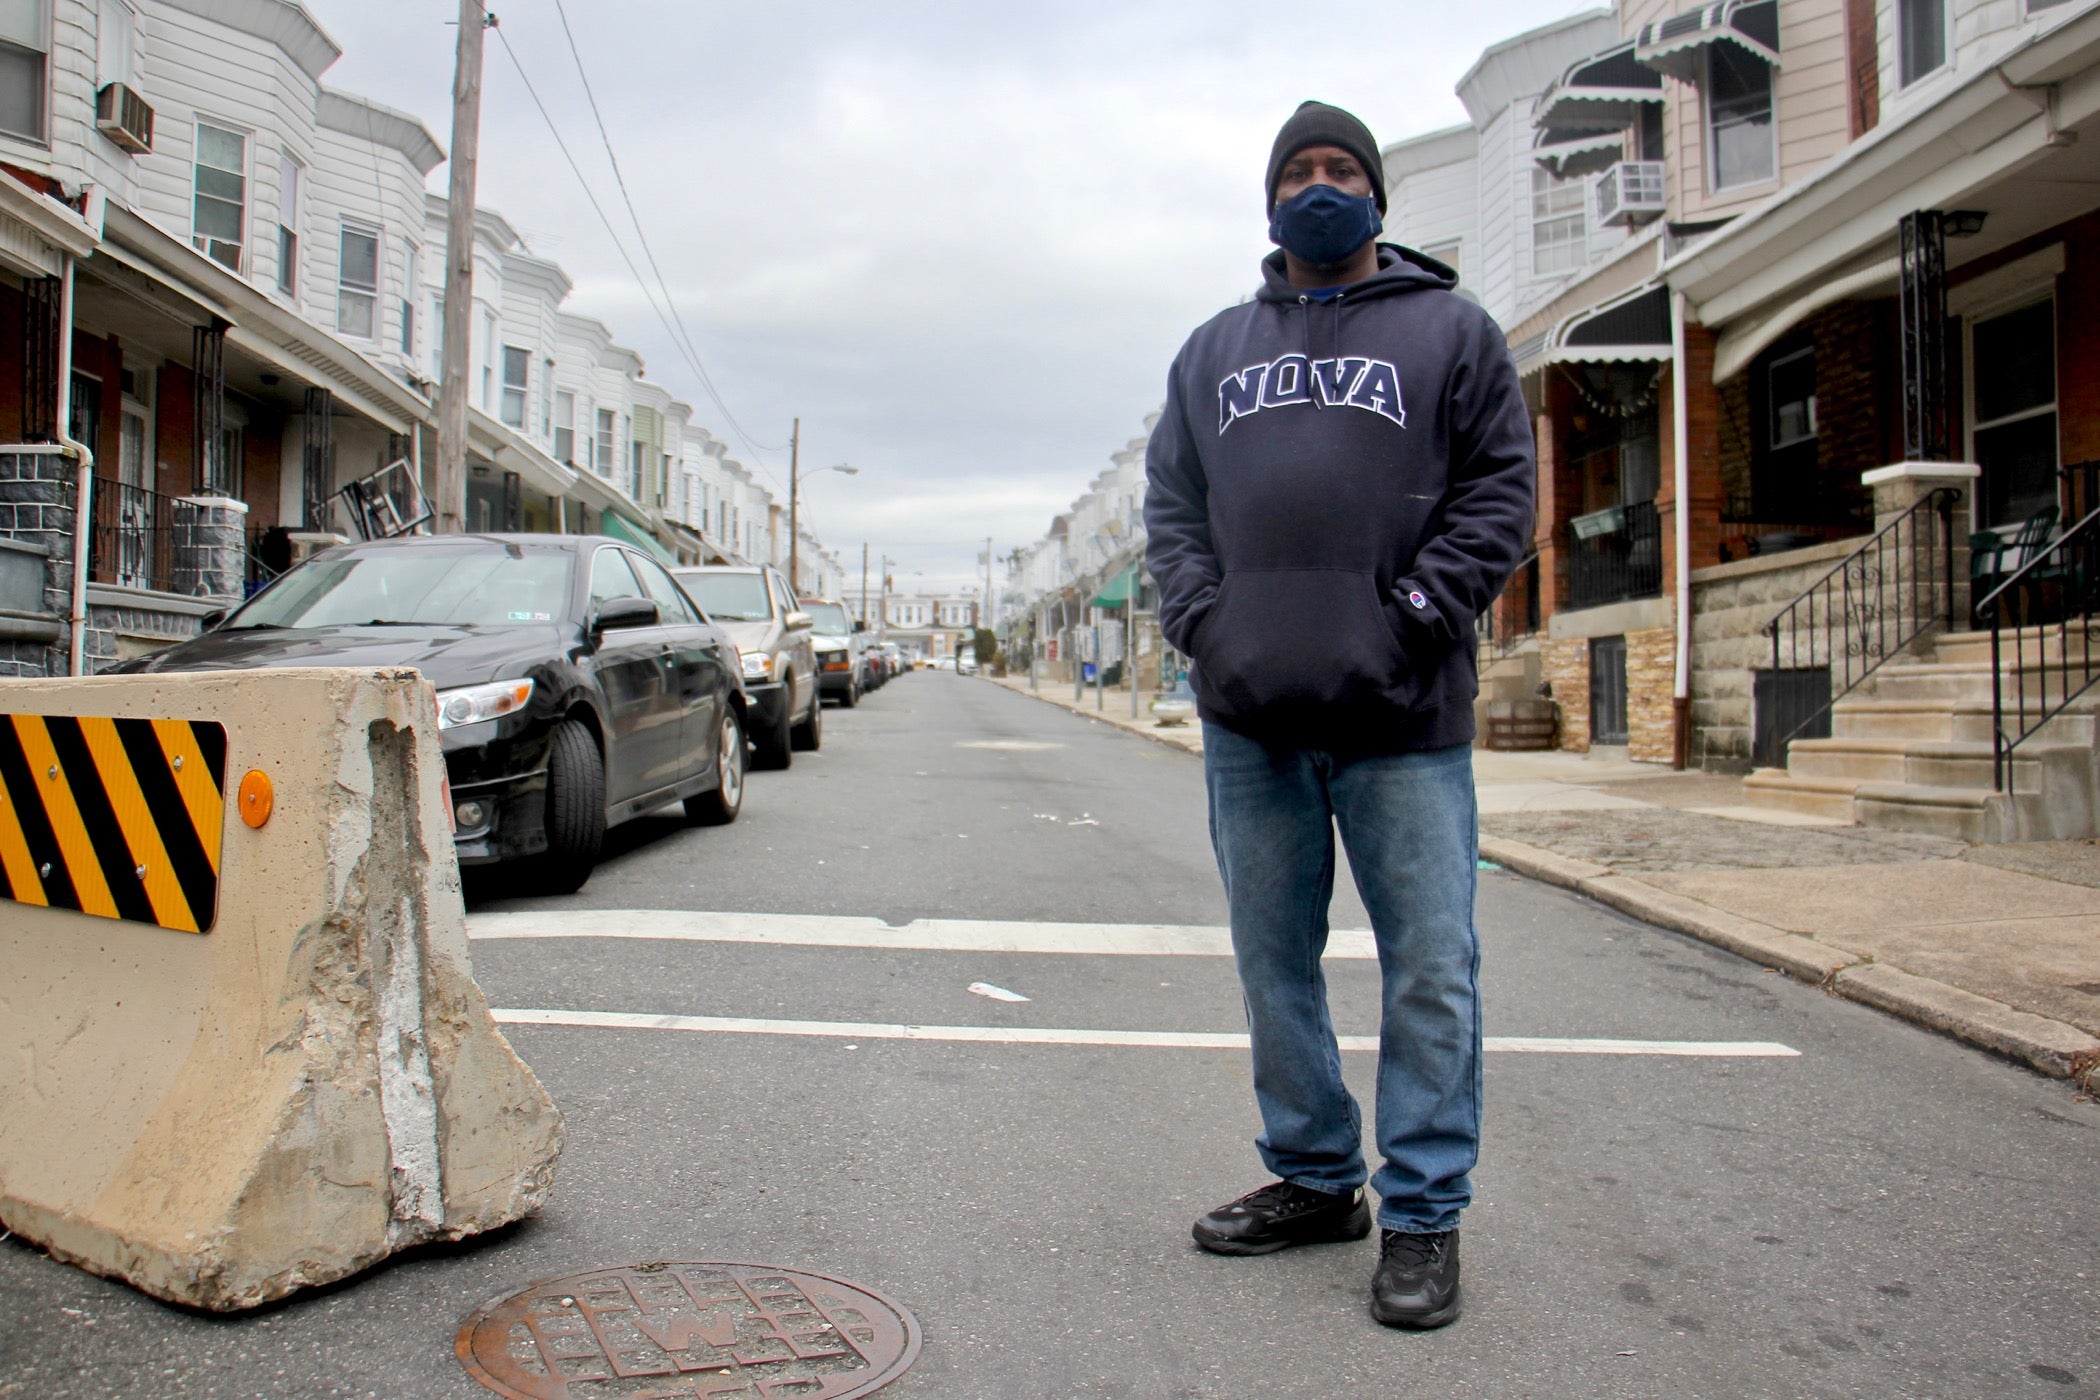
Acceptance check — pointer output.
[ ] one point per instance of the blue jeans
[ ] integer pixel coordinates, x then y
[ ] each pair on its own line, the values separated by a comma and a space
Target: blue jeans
1410, 826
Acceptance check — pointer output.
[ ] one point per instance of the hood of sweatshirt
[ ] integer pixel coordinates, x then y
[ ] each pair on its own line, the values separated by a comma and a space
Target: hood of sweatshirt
1335, 490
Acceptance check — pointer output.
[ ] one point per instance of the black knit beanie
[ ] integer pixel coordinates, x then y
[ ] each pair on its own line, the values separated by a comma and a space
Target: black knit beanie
1317, 124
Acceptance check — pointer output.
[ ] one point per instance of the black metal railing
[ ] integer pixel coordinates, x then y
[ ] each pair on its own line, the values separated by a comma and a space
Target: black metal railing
2047, 603
1615, 555
133, 541
1877, 601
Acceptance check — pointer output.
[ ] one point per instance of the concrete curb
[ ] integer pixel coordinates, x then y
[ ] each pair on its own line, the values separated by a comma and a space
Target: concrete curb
1185, 739
2053, 1047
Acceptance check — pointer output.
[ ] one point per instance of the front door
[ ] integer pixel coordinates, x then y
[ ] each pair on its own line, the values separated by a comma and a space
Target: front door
634, 671
1608, 690
2012, 388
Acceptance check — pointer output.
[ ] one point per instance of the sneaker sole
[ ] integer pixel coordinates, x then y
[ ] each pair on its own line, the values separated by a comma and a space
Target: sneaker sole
1421, 1322
1356, 1227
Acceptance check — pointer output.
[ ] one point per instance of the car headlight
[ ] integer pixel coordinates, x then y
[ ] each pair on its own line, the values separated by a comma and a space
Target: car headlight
758, 666
471, 704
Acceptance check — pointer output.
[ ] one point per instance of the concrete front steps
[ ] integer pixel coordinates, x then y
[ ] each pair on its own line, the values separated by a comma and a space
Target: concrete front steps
1912, 750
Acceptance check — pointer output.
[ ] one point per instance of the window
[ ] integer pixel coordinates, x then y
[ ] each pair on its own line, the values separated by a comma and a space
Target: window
1921, 35
637, 454
219, 218
671, 604
602, 457
357, 285
411, 288
1791, 387
116, 39
1448, 253
1740, 140
517, 365
488, 361
546, 401
611, 577
25, 54
2012, 386
291, 179
1557, 230
565, 427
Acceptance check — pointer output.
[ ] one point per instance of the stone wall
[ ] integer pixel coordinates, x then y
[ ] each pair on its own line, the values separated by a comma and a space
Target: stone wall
211, 547
1565, 665
1651, 687
128, 622
36, 505
1731, 603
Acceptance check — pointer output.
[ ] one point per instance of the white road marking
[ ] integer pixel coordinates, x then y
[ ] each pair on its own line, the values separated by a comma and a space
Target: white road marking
925, 935
1008, 745
1184, 1040
996, 993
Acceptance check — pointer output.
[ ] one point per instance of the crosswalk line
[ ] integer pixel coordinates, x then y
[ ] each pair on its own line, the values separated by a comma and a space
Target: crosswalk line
921, 935
1043, 1035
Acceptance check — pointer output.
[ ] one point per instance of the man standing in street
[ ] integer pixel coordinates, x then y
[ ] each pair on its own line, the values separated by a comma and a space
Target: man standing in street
1340, 484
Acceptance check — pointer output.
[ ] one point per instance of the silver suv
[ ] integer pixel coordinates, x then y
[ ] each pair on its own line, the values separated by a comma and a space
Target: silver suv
753, 604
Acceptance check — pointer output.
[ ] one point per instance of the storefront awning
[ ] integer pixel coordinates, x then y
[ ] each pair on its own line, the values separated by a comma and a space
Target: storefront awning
1633, 327
1574, 154
619, 527
1115, 593
1605, 92
1677, 45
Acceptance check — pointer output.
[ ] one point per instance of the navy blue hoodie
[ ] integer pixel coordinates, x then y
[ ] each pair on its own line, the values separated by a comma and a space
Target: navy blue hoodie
1334, 492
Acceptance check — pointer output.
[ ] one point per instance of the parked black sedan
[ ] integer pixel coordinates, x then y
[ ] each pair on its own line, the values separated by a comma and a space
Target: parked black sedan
577, 684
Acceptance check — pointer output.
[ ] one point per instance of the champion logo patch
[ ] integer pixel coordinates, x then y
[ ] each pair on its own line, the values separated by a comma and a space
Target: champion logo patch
1372, 385
1414, 595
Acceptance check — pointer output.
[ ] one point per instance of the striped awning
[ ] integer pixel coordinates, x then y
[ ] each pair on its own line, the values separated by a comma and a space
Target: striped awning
1677, 45
1573, 154
1632, 327
1604, 92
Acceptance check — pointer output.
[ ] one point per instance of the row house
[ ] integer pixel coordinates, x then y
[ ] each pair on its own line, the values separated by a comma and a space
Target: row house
223, 280
1802, 341
931, 625
1080, 594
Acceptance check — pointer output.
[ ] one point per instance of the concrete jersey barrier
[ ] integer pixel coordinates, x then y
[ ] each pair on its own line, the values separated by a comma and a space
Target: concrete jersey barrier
245, 1052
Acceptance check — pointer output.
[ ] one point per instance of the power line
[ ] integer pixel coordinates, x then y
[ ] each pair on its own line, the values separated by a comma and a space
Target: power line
618, 245
692, 352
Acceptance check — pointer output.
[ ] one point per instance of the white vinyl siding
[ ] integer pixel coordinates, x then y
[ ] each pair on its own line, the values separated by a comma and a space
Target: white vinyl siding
116, 43
291, 181
1559, 228
517, 373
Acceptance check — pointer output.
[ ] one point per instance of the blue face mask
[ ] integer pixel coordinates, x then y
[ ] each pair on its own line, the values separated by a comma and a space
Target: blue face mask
1323, 226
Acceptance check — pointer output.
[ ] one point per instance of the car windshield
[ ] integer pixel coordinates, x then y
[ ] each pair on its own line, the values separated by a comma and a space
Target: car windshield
728, 597
437, 587
829, 618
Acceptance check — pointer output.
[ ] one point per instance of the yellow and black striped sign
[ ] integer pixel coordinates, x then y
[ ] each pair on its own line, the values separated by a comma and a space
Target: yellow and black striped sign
120, 818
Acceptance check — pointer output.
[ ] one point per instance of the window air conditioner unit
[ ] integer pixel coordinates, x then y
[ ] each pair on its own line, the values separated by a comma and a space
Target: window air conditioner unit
123, 116
1631, 192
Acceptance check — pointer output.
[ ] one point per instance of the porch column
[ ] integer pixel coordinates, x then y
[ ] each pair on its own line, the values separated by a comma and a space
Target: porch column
36, 511
211, 547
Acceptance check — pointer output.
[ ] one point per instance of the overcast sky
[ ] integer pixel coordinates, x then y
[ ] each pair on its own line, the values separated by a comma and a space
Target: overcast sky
961, 241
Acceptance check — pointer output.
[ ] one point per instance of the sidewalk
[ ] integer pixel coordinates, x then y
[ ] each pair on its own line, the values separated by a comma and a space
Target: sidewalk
1996, 945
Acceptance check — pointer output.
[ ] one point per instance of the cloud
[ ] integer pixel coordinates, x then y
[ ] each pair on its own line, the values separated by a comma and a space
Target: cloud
961, 243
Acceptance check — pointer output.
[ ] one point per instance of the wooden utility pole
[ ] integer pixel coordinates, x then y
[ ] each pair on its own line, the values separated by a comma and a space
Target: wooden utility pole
863, 583
451, 473
794, 508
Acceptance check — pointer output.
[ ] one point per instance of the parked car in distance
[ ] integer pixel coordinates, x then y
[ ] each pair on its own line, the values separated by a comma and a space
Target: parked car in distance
839, 644
577, 685
755, 606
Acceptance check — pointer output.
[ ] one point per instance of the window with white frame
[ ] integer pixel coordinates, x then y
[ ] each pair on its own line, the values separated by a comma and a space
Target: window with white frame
637, 456
1448, 253
1741, 139
1558, 228
357, 284
602, 456
564, 427
219, 215
116, 42
546, 401
1921, 38
25, 67
488, 361
1790, 388
291, 190
411, 288
517, 369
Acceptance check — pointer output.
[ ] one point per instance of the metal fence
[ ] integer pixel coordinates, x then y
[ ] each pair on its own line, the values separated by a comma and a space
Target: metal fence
133, 541
1614, 555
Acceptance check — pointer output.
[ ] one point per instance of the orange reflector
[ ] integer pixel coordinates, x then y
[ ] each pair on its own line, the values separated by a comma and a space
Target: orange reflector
256, 797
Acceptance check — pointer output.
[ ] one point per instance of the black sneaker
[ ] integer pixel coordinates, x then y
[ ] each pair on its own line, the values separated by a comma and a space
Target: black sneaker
1280, 1215
1417, 1280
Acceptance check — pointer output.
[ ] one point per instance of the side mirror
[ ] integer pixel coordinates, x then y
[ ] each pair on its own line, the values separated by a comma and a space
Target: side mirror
800, 622
211, 619
624, 612
859, 626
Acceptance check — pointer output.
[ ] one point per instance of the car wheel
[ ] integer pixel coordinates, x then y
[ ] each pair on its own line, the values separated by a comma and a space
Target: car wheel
720, 806
851, 697
809, 735
575, 811
776, 747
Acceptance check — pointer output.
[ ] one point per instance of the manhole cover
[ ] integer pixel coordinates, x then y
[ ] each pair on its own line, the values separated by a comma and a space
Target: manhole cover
689, 1332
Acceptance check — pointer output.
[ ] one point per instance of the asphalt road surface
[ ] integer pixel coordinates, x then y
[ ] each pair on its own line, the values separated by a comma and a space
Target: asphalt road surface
1883, 1213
